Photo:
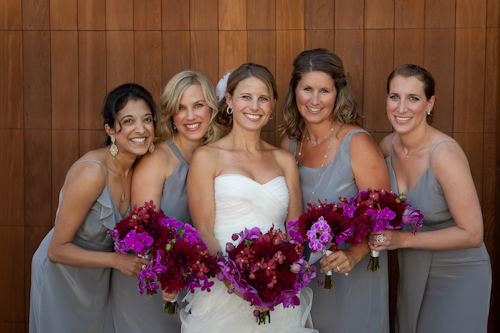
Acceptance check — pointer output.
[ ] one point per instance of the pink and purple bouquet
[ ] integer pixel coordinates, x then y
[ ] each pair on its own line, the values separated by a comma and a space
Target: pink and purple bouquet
267, 269
386, 210
179, 258
327, 225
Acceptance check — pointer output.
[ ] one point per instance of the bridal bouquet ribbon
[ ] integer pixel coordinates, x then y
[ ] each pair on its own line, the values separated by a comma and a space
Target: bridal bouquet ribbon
267, 268
386, 210
179, 258
327, 225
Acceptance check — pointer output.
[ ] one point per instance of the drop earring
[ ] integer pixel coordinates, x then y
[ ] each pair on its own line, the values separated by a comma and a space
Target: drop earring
113, 149
429, 112
151, 148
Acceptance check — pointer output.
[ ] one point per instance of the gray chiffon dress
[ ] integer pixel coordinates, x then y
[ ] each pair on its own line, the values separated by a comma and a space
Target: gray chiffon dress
74, 299
133, 312
440, 291
360, 301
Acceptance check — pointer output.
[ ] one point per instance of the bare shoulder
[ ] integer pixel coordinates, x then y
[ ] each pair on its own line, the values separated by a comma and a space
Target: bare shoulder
155, 161
86, 176
385, 145
446, 154
284, 158
207, 155
362, 142
285, 143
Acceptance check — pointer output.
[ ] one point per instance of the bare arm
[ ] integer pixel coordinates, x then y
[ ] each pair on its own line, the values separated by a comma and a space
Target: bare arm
293, 183
370, 171
201, 195
149, 176
451, 169
84, 184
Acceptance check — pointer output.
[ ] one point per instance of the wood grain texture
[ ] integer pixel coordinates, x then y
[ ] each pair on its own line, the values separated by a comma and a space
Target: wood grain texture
36, 79
492, 13
175, 15
147, 14
472, 144
319, 38
176, 54
409, 47
33, 236
349, 46
148, 61
11, 79
319, 14
232, 14
263, 40
91, 78
65, 152
409, 14
63, 14
36, 14
378, 64
379, 14
488, 202
289, 14
232, 50
491, 81
119, 58
11, 15
14, 327
471, 14
349, 14
469, 80
38, 178
91, 14
12, 176
203, 14
440, 14
261, 14
12, 241
64, 79
90, 140
205, 53
439, 60
119, 14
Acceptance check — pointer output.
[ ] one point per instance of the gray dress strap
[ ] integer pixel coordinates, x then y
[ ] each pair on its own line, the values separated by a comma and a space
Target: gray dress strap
133, 312
361, 291
436, 285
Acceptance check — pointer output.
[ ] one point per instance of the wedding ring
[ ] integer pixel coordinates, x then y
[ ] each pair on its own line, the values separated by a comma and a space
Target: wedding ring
381, 238
144, 266
230, 289
338, 268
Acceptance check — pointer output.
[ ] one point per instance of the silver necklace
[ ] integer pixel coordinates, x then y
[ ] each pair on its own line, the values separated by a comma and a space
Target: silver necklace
322, 164
421, 142
317, 142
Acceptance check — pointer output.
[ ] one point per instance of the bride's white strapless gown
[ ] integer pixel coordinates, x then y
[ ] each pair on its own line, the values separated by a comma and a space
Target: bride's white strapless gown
240, 203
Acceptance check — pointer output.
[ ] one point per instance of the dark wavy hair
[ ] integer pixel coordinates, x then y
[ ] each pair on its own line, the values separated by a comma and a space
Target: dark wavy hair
322, 60
409, 70
118, 98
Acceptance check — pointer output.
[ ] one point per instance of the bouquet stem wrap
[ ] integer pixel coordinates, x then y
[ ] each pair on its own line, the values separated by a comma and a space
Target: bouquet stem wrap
328, 275
171, 307
373, 264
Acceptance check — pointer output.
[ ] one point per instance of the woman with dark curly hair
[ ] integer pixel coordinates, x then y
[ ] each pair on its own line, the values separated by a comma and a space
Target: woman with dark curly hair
336, 158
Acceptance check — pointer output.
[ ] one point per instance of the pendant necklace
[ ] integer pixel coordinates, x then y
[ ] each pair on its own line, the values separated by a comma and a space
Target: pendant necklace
324, 159
317, 142
408, 154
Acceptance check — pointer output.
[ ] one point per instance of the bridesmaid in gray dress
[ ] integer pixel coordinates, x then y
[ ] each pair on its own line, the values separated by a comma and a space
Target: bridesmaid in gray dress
445, 272
71, 268
336, 158
188, 106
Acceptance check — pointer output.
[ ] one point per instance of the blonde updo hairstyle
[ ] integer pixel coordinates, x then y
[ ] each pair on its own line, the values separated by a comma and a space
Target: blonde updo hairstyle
170, 100
344, 110
241, 73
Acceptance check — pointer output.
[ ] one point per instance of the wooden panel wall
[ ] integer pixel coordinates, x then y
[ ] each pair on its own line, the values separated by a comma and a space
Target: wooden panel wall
58, 58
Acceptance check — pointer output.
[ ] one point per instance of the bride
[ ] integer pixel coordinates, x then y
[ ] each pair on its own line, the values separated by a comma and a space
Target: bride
236, 182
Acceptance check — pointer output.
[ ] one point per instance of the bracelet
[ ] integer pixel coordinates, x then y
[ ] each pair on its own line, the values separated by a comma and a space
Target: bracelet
230, 289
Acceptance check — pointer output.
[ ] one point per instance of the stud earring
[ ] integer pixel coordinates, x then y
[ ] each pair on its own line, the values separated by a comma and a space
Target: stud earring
229, 111
151, 148
113, 149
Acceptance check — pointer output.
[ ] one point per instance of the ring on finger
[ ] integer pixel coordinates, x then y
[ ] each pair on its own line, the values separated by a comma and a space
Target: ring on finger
144, 266
338, 268
381, 238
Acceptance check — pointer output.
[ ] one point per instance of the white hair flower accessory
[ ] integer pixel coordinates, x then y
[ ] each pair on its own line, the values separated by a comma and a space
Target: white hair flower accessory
220, 90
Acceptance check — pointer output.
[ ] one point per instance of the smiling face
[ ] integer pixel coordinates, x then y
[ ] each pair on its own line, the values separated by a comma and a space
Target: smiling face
315, 97
194, 114
134, 128
407, 105
251, 103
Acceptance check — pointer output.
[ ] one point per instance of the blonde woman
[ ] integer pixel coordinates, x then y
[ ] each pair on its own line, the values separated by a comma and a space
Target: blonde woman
188, 107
